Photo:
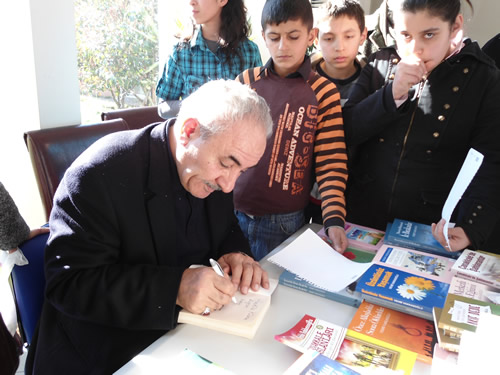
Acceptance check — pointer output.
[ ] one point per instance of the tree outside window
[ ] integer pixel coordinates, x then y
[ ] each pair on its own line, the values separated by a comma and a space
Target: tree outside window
117, 47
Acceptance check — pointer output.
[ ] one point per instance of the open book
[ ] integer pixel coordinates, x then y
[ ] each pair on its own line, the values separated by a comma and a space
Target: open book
242, 318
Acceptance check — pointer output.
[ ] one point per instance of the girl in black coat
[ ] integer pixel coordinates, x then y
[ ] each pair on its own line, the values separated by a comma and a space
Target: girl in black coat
412, 117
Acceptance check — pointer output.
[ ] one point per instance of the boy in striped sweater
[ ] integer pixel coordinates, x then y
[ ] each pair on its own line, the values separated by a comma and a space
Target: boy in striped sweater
307, 144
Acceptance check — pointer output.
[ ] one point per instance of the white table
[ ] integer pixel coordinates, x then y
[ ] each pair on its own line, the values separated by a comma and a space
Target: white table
263, 354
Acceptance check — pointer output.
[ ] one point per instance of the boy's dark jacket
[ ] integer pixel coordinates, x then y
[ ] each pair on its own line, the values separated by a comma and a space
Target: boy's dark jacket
458, 108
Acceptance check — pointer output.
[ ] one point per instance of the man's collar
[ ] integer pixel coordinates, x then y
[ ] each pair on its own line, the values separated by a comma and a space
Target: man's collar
303, 71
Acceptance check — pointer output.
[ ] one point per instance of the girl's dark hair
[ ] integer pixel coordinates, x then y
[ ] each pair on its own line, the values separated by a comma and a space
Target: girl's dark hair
447, 10
234, 25
234, 28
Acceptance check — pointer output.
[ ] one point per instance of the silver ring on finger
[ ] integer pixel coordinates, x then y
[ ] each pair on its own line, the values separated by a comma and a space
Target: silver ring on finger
206, 311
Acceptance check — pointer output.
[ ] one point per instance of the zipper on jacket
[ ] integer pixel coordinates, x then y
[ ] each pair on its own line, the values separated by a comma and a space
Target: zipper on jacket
418, 93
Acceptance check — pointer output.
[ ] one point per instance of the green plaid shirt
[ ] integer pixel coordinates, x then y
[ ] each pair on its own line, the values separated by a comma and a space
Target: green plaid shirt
192, 64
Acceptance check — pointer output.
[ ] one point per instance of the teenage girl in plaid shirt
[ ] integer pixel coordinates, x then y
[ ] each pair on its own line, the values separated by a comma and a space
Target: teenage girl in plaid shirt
218, 47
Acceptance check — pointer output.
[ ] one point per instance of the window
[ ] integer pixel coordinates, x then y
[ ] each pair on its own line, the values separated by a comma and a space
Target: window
117, 47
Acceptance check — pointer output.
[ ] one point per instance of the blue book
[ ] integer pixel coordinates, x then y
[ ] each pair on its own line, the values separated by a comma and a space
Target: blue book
402, 291
312, 362
415, 236
348, 296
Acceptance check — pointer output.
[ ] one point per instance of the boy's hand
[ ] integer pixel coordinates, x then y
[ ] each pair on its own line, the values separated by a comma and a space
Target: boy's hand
338, 238
411, 70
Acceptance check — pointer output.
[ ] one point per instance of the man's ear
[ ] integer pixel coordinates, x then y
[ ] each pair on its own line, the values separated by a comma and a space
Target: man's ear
190, 130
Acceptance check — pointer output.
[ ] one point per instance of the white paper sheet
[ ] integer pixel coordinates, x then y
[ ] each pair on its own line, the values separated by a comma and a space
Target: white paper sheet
312, 259
467, 172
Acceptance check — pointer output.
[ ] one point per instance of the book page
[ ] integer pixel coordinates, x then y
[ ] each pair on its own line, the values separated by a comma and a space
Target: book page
467, 172
310, 258
245, 312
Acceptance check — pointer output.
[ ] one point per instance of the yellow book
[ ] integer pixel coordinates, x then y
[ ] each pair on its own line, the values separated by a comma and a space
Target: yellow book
242, 318
367, 354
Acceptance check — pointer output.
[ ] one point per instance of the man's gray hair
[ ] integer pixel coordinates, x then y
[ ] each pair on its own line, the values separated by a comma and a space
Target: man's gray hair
220, 104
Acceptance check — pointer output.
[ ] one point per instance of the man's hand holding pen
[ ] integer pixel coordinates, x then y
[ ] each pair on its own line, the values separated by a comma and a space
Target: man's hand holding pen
202, 289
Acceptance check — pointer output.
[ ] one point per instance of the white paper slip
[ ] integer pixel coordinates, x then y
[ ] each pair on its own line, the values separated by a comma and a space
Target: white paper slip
467, 172
312, 259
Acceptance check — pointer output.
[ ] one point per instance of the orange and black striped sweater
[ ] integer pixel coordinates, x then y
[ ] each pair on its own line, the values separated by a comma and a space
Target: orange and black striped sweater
307, 143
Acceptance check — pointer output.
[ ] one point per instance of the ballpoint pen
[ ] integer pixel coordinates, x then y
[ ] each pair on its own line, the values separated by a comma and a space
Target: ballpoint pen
218, 270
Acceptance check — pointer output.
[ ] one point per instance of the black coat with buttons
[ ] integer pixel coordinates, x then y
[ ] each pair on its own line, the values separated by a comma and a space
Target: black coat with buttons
113, 260
405, 160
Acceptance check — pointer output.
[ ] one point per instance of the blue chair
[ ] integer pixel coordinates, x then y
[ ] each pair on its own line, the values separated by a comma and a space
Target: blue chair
29, 284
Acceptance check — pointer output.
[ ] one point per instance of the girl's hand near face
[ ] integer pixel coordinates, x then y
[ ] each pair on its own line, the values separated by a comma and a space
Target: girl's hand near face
411, 70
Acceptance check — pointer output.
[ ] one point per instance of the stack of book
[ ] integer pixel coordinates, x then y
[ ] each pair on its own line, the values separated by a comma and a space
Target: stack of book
360, 352
474, 290
397, 328
418, 236
406, 280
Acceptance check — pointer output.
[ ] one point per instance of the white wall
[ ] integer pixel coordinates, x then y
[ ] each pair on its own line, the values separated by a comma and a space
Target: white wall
19, 107
54, 46
38, 71
483, 23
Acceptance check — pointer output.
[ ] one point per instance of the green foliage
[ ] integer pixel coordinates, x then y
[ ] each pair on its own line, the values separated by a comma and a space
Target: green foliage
117, 45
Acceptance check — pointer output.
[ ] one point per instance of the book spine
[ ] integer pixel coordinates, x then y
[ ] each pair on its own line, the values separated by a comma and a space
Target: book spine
347, 300
450, 347
399, 307
424, 358
478, 278
451, 331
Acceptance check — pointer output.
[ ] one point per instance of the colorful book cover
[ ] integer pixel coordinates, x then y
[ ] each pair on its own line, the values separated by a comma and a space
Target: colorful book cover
364, 237
461, 313
404, 330
474, 290
420, 263
368, 355
311, 333
360, 237
478, 266
398, 289
416, 236
313, 363
346, 296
